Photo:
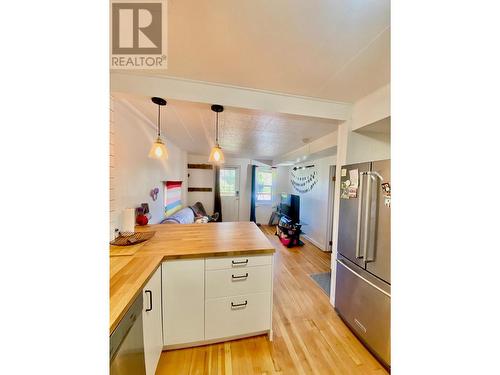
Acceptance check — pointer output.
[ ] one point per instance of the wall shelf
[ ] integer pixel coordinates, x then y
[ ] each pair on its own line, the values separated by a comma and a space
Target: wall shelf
205, 189
200, 166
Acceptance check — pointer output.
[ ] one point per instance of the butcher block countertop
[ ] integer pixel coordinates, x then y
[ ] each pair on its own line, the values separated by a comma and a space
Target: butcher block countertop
131, 269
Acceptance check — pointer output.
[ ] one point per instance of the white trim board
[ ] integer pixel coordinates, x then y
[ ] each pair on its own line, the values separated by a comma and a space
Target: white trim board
241, 97
314, 242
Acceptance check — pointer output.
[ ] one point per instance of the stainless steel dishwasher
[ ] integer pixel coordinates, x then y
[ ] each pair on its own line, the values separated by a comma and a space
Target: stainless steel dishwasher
126, 343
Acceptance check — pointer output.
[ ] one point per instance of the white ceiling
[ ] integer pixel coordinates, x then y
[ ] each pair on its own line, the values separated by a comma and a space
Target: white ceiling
243, 133
331, 49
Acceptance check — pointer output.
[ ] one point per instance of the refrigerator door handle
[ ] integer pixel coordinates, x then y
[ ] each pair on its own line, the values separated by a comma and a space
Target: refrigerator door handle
358, 228
370, 219
373, 175
366, 226
363, 278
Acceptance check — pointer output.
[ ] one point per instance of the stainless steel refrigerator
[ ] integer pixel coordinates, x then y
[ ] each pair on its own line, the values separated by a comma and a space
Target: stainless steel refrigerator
363, 277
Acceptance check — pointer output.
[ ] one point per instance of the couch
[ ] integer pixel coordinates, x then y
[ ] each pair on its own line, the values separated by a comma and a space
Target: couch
190, 214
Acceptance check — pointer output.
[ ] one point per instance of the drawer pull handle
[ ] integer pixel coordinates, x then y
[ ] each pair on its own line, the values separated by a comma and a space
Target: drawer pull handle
240, 277
150, 300
239, 304
237, 263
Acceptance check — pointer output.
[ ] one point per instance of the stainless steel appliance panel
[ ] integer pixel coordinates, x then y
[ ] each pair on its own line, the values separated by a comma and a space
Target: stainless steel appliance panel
350, 239
126, 343
379, 260
364, 303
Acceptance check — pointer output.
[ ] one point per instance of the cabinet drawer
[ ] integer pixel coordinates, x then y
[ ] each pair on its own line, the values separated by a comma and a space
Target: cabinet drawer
220, 263
234, 282
232, 316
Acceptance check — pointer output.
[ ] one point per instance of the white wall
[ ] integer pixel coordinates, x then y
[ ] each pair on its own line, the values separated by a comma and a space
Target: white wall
133, 173
368, 146
313, 204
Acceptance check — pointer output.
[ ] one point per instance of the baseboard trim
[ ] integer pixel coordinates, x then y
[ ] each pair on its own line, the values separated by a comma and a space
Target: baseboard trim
314, 242
269, 333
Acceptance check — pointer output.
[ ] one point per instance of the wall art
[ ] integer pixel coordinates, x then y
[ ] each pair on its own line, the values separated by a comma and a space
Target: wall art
173, 195
304, 179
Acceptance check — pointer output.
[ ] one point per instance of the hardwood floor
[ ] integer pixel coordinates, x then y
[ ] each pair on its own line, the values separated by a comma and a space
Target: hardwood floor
309, 337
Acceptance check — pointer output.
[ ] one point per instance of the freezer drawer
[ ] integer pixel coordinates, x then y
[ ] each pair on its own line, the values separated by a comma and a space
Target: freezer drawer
365, 305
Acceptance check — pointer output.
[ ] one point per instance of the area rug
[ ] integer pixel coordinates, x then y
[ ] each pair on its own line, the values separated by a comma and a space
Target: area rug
323, 280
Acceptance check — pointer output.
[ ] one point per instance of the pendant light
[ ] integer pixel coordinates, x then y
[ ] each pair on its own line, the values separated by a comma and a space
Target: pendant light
216, 155
158, 149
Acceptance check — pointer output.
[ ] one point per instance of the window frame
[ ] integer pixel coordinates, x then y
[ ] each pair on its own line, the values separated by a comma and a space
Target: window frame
225, 194
264, 202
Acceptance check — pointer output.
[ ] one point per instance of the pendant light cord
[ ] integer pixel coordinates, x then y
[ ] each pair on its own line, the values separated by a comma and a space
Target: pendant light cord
217, 128
158, 121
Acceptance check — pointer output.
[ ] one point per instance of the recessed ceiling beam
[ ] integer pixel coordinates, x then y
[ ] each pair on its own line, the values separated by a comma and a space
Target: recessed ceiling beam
210, 93
321, 147
372, 108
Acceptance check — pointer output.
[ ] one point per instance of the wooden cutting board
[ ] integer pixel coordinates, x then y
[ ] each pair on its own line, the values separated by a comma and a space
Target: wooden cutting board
115, 250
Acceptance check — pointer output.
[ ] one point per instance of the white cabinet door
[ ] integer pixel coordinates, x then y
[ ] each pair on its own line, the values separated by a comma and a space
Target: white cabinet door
151, 318
183, 288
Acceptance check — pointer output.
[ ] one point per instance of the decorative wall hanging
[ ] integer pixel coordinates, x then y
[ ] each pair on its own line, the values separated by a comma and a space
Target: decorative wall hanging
154, 193
304, 179
173, 194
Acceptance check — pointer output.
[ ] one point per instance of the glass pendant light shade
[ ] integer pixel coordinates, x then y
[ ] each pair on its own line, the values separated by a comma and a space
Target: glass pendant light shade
158, 150
216, 155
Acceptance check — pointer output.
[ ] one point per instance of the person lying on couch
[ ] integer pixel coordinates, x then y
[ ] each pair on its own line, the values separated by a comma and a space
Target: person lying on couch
191, 214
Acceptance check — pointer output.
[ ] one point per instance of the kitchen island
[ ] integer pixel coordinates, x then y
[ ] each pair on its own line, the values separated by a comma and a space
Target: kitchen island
214, 282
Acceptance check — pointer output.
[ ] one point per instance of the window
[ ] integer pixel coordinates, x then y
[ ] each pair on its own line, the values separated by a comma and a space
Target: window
264, 186
227, 180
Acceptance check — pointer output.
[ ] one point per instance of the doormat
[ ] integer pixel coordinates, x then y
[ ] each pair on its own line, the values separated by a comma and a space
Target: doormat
323, 280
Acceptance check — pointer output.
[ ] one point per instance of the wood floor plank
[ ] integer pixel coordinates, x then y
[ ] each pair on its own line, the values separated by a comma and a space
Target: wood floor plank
228, 363
309, 337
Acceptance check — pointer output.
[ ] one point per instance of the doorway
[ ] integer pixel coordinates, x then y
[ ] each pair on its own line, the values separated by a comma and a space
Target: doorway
229, 181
